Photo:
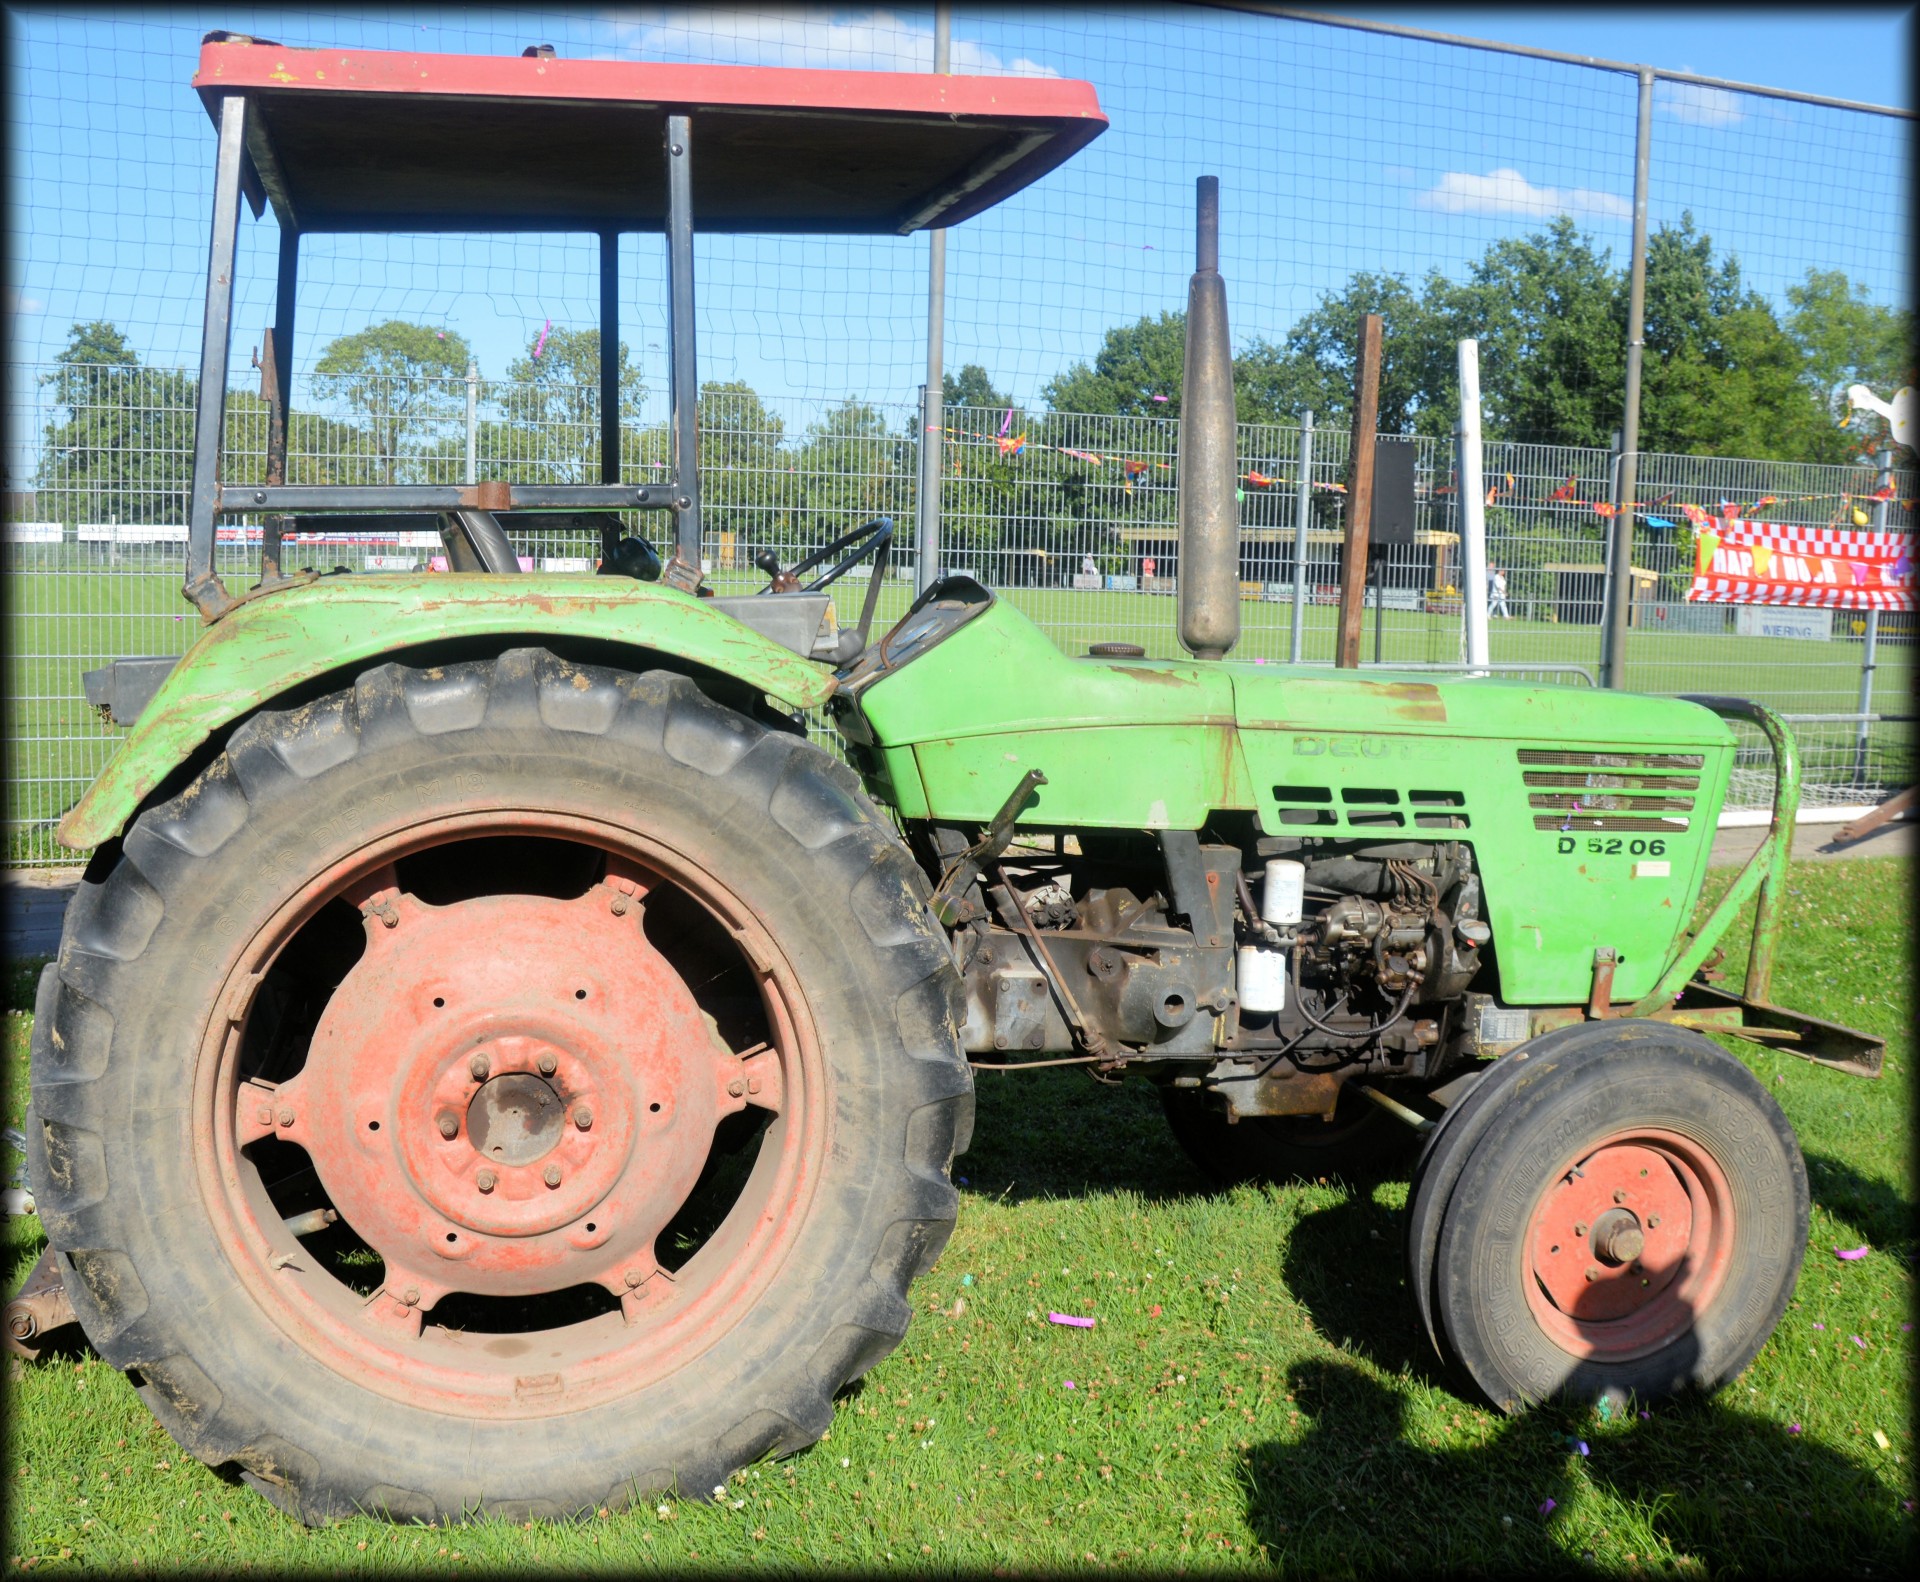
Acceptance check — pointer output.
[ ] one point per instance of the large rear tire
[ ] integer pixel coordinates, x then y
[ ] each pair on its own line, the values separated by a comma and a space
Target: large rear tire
611, 1027
1628, 1223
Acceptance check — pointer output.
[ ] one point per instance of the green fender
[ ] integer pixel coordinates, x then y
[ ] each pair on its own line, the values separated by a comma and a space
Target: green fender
271, 643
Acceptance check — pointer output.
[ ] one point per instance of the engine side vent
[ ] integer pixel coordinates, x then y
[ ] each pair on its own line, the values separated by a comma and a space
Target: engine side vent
1631, 761
1609, 791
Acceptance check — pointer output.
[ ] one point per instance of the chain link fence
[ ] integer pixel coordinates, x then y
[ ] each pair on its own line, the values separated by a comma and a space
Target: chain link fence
1071, 515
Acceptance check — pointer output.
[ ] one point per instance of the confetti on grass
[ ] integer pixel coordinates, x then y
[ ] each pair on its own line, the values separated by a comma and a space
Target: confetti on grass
1547, 1507
1067, 1318
1850, 1253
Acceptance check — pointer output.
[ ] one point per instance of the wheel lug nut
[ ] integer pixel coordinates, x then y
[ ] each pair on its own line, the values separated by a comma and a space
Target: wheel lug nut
1619, 1194
583, 1118
410, 1297
1592, 1272
1580, 1228
479, 1066
551, 1175
632, 1277
548, 1065
449, 1124
1653, 1222
736, 1087
286, 1116
486, 1180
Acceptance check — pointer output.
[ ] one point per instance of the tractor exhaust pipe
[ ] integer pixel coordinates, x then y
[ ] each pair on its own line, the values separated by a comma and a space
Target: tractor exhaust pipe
1209, 567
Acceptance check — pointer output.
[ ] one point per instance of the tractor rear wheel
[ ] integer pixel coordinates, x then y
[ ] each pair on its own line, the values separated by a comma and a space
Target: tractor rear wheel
517, 1087
1628, 1222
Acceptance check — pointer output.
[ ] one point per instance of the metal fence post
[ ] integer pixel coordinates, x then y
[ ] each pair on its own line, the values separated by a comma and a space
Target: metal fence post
1882, 483
1302, 505
1471, 492
473, 426
1619, 582
932, 405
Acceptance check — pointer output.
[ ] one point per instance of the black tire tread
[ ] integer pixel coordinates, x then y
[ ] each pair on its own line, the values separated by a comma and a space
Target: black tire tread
849, 849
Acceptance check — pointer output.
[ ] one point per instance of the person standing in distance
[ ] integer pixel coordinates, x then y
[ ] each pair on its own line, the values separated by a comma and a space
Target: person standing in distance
1497, 593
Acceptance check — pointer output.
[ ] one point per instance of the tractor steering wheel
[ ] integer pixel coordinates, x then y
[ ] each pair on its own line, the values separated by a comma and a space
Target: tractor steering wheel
873, 538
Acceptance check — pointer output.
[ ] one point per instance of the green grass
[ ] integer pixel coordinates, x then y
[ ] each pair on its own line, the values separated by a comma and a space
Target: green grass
1254, 1396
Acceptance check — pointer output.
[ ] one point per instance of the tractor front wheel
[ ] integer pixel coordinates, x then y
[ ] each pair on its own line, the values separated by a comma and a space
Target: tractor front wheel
516, 1086
1628, 1222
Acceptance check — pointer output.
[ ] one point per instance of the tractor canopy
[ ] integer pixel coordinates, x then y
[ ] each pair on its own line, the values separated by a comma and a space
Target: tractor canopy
387, 141
379, 140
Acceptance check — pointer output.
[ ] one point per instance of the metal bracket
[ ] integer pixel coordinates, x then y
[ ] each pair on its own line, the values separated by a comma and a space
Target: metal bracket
38, 1308
962, 873
681, 573
1600, 1001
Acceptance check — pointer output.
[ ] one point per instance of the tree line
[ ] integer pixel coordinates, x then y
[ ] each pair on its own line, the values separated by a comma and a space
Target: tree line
1725, 373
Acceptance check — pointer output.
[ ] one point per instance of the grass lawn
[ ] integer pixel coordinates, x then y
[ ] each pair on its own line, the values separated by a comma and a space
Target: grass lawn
1254, 1395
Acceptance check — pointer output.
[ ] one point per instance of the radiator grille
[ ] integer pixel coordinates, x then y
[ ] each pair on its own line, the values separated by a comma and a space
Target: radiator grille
1597, 792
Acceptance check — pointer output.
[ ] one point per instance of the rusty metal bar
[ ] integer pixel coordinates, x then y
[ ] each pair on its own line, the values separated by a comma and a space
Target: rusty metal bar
1359, 524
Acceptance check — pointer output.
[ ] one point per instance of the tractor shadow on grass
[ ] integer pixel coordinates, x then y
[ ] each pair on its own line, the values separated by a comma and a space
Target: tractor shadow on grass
1059, 1134
1346, 1265
1872, 1206
1356, 1493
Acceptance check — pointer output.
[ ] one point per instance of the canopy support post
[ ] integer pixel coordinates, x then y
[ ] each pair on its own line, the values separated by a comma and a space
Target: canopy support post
278, 371
684, 569
203, 587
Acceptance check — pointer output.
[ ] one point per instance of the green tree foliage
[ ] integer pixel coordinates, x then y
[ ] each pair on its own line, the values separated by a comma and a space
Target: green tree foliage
851, 466
1550, 315
1135, 363
1723, 374
400, 378
1315, 369
749, 485
1847, 338
119, 444
972, 388
550, 408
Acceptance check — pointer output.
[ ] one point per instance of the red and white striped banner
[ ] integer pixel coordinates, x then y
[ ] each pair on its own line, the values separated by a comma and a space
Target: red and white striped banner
1739, 562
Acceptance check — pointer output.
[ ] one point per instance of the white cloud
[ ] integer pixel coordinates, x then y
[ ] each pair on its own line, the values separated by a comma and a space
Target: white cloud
1697, 104
1506, 191
810, 36
16, 303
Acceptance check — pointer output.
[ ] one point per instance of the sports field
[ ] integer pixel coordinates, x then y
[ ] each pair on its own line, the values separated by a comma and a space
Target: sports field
66, 615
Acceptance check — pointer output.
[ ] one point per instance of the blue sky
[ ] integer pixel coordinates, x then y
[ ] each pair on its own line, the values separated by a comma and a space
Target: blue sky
1337, 151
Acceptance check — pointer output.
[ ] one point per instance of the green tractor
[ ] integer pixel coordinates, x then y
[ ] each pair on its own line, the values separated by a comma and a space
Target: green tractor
496, 1062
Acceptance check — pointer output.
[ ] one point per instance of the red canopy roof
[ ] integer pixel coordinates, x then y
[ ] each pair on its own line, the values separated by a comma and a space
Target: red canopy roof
380, 140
